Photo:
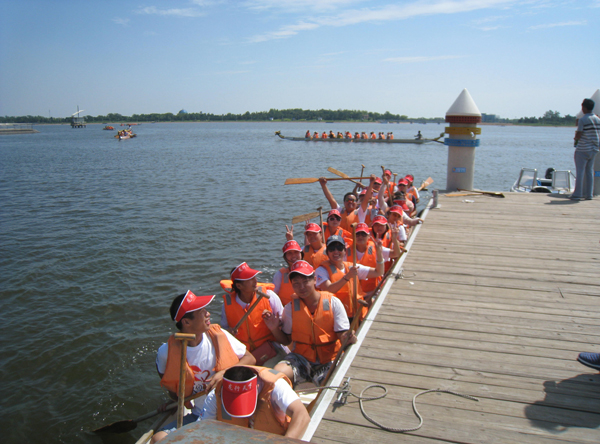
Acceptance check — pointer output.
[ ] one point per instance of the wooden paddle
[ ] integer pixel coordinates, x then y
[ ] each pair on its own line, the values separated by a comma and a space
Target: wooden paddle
487, 193
425, 184
295, 181
321, 224
127, 425
345, 176
307, 216
355, 289
362, 171
252, 307
184, 338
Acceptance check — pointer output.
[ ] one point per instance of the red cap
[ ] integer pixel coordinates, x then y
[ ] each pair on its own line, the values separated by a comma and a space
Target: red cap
239, 397
334, 213
396, 209
363, 192
388, 172
403, 182
291, 246
190, 303
312, 228
409, 177
378, 180
302, 267
380, 220
362, 228
243, 272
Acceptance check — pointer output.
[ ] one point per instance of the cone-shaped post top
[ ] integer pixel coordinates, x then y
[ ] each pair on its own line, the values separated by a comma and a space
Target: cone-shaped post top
464, 106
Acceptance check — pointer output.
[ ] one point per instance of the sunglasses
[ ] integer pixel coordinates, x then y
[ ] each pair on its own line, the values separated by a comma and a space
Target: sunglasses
334, 218
336, 247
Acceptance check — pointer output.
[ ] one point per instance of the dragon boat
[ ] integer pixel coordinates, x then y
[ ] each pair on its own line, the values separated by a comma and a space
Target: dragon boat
328, 139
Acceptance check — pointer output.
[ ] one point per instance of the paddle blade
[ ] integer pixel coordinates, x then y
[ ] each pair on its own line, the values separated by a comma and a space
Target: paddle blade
304, 217
294, 181
118, 427
338, 173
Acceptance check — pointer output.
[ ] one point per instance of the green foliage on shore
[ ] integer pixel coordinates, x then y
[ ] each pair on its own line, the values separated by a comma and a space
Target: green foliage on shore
290, 115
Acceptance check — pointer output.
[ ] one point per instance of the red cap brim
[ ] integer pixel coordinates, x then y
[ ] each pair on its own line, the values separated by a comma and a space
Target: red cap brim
239, 398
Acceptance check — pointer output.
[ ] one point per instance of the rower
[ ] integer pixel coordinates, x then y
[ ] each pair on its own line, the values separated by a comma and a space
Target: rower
324, 135
253, 331
317, 323
314, 250
418, 136
316, 135
291, 253
336, 275
350, 213
411, 189
365, 254
207, 356
307, 135
331, 135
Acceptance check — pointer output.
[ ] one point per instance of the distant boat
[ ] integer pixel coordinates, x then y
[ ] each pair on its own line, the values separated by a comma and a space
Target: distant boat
413, 141
108, 127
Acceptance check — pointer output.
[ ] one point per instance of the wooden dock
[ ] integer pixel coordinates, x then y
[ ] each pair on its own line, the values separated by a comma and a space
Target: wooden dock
496, 299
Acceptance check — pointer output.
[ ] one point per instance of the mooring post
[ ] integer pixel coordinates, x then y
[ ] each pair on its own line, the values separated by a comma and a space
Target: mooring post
463, 117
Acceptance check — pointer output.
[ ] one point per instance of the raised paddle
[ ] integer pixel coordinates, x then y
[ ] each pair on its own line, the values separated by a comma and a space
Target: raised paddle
321, 224
184, 338
355, 289
128, 425
345, 176
425, 184
252, 307
295, 181
362, 171
307, 216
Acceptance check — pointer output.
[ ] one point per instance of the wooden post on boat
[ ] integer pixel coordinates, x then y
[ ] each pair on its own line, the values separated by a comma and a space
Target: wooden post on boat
355, 286
321, 223
184, 338
463, 117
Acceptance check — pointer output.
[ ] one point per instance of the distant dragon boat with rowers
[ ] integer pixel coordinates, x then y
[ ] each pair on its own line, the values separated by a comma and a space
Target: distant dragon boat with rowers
415, 141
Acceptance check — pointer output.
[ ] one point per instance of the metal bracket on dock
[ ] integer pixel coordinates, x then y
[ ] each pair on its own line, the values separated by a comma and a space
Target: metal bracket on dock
342, 394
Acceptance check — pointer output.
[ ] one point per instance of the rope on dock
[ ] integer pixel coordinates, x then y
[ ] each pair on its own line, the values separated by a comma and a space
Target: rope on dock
344, 392
362, 398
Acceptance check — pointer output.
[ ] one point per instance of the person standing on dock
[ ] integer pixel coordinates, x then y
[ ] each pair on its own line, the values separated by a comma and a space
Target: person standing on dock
587, 144
317, 323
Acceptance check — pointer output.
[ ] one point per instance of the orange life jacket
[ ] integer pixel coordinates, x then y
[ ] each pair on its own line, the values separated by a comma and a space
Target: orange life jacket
348, 219
285, 289
369, 259
315, 258
253, 332
373, 136
226, 358
344, 293
264, 416
324, 135
340, 232
313, 333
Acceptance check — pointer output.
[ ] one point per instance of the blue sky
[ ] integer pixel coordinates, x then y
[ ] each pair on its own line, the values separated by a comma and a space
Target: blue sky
516, 58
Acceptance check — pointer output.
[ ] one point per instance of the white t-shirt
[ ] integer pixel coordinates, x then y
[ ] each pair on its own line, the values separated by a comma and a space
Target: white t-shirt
321, 274
274, 301
281, 397
340, 318
202, 360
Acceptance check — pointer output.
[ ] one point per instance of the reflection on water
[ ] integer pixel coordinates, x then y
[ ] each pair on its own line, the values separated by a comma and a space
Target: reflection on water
98, 236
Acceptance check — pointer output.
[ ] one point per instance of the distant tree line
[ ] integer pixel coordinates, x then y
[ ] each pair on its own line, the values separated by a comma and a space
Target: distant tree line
295, 114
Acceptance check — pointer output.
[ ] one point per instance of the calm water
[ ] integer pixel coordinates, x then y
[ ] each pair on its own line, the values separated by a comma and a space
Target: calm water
98, 236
